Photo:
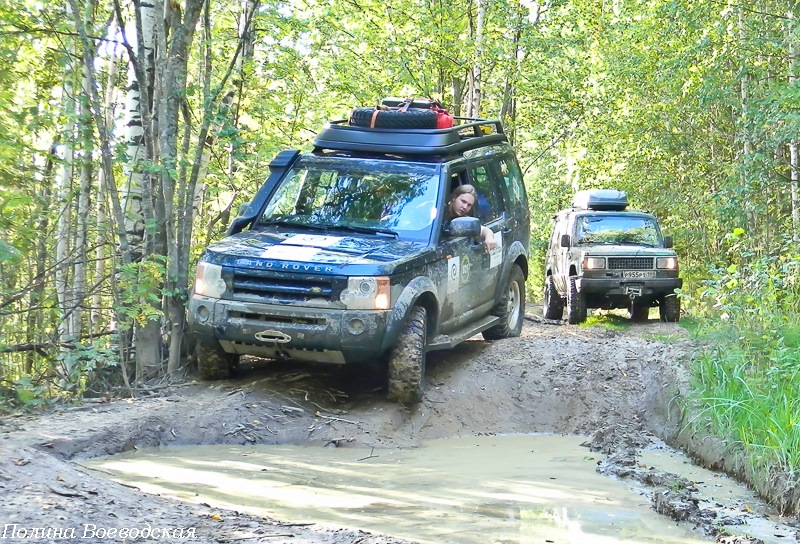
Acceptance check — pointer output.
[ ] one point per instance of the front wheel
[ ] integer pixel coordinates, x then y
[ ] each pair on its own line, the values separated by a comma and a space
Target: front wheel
407, 359
553, 307
510, 309
576, 304
669, 308
213, 363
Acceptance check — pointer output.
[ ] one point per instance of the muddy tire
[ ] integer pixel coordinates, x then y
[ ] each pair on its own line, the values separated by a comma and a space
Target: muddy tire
407, 359
638, 312
553, 307
669, 309
576, 304
213, 363
510, 308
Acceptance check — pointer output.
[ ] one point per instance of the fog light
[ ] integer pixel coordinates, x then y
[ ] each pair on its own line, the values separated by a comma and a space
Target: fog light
356, 326
202, 313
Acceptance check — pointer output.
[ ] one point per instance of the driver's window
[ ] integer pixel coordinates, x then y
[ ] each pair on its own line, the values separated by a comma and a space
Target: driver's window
489, 205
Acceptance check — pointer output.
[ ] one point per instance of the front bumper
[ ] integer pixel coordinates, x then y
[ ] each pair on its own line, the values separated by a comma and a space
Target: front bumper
326, 335
629, 286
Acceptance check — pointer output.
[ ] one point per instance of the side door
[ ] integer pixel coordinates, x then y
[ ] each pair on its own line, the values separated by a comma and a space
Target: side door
490, 208
471, 273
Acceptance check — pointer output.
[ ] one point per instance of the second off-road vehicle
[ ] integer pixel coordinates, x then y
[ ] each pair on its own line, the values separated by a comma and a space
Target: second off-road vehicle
603, 255
344, 256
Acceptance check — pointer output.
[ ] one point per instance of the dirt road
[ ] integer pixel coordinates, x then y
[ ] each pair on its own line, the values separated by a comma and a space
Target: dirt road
613, 385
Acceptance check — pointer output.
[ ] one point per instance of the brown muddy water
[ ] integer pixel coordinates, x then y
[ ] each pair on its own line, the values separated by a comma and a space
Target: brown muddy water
516, 489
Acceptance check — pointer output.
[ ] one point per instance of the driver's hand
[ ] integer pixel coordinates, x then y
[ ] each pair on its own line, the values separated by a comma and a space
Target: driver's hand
490, 245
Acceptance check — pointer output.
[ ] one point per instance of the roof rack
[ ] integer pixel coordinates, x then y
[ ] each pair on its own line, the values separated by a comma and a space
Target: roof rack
600, 199
339, 136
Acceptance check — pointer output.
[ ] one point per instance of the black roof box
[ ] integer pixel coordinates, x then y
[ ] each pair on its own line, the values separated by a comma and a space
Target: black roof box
600, 199
339, 136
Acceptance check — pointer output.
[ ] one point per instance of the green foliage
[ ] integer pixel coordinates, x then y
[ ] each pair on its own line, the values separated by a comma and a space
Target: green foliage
140, 286
746, 378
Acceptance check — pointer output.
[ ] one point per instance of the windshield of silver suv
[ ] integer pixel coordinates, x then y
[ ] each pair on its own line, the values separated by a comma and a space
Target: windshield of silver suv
384, 197
617, 229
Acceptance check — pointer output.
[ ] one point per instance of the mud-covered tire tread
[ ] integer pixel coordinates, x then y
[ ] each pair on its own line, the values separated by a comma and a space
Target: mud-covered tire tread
553, 307
576, 304
213, 363
510, 308
407, 359
411, 119
669, 309
638, 313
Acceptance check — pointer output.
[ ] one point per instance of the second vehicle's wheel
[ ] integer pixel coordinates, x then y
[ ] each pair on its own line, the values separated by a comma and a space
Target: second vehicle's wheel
576, 304
669, 308
553, 307
213, 363
407, 359
638, 312
510, 309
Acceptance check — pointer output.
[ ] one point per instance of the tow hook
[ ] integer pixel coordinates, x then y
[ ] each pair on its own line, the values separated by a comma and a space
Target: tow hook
633, 292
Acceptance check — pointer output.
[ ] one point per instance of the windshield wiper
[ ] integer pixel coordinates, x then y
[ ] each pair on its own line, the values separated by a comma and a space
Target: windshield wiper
326, 227
294, 224
365, 230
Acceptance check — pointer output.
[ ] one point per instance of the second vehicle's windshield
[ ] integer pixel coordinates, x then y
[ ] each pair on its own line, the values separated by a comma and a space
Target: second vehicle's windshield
617, 229
384, 197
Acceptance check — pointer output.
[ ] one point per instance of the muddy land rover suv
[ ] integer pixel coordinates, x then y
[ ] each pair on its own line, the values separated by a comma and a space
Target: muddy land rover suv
602, 255
344, 255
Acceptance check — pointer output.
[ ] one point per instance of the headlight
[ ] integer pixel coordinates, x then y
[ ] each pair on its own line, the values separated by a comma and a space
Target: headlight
668, 263
208, 281
367, 293
594, 263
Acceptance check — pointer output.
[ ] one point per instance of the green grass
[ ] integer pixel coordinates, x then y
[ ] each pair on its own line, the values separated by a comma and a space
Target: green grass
746, 385
607, 321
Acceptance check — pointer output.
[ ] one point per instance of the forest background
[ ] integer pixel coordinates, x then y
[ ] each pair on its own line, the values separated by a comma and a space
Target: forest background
131, 131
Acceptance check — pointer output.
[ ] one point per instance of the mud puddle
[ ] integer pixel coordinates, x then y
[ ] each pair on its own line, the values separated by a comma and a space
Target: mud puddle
500, 489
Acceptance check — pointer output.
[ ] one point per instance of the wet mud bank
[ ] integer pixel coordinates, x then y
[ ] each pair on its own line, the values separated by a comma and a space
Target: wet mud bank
667, 418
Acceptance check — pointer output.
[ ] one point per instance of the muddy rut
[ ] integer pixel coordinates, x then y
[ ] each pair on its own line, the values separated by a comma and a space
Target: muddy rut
621, 388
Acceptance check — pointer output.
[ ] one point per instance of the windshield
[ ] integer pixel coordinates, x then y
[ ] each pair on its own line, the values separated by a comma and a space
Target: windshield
617, 229
370, 196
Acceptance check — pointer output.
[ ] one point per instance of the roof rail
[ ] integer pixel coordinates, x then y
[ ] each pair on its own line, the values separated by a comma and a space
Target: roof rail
472, 133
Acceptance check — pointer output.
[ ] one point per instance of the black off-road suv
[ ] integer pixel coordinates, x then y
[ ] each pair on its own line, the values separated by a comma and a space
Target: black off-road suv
602, 255
344, 255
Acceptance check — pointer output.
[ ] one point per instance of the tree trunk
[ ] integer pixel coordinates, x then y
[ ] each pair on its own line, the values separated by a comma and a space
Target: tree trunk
477, 82
64, 193
794, 167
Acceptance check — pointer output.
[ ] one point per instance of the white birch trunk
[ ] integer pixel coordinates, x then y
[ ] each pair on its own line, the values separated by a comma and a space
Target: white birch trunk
84, 190
131, 192
63, 193
477, 91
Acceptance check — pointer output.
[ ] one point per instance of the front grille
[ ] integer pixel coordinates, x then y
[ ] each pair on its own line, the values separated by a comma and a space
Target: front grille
273, 287
630, 263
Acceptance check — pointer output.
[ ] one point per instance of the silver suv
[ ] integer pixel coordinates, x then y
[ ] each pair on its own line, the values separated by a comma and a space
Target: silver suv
602, 255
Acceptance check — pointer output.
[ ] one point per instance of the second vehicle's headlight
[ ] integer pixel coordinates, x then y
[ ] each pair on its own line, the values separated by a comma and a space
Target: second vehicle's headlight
594, 263
208, 281
367, 293
668, 263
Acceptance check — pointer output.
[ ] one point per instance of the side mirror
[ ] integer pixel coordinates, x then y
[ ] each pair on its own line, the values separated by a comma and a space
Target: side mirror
469, 227
668, 241
565, 240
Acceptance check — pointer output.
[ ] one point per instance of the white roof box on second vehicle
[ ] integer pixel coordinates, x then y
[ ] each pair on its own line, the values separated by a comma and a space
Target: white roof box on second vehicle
600, 199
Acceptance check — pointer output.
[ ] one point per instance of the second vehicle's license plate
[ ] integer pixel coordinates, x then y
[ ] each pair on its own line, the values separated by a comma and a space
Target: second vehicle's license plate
639, 274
